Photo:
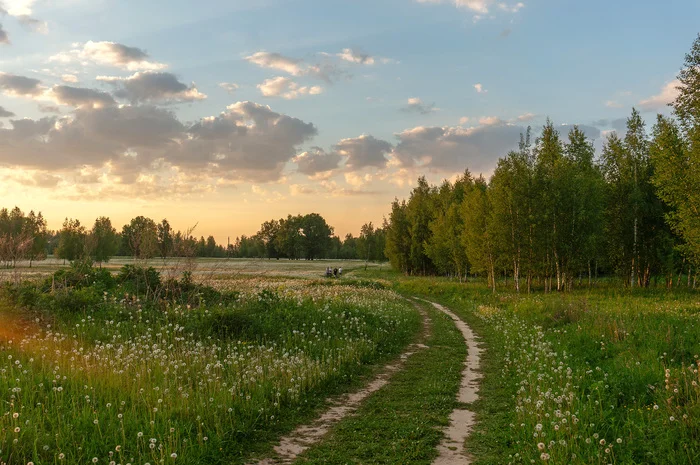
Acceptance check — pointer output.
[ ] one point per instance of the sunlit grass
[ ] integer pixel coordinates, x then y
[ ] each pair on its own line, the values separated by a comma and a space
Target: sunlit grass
128, 382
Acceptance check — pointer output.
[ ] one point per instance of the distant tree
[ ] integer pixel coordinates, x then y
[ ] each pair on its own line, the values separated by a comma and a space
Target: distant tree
165, 239
140, 237
315, 236
35, 228
72, 240
103, 240
268, 234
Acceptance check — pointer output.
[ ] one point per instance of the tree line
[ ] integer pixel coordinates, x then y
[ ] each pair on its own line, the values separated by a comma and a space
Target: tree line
553, 214
26, 238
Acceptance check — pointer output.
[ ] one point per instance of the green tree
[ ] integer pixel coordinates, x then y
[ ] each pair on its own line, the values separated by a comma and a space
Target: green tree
677, 177
315, 236
398, 237
104, 241
140, 237
477, 236
166, 242
71, 244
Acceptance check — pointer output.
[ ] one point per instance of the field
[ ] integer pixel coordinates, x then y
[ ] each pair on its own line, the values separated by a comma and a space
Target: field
103, 367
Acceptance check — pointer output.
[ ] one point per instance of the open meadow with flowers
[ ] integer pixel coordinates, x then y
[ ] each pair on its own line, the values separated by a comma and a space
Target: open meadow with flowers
596, 376
133, 369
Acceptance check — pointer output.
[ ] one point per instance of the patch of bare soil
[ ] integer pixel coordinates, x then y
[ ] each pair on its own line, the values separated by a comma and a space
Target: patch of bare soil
451, 449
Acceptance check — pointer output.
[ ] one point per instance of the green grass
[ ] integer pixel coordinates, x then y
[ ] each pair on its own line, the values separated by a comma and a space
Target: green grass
582, 377
401, 423
210, 384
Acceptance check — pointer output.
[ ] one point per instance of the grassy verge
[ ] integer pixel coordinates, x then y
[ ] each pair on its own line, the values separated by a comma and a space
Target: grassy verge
400, 424
594, 376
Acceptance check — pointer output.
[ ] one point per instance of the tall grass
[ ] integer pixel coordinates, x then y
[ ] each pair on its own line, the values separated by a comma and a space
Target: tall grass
125, 381
595, 376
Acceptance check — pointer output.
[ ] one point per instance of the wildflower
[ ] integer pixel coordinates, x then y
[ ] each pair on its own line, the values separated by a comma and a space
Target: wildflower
94, 460
602, 442
173, 456
672, 418
544, 456
61, 456
17, 429
619, 440
540, 446
15, 415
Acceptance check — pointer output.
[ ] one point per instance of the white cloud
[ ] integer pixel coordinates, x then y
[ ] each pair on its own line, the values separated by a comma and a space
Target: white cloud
229, 87
277, 61
613, 104
416, 105
137, 144
667, 95
513, 8
286, 88
480, 88
18, 7
353, 56
109, 54
69, 78
490, 120
525, 117
480, 7
150, 86
463, 120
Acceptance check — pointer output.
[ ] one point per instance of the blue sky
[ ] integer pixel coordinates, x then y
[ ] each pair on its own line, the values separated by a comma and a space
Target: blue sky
386, 89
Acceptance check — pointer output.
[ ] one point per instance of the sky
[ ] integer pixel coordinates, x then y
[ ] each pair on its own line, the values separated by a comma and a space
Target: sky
222, 114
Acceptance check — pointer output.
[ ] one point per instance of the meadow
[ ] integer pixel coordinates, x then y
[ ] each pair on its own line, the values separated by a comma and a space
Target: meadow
94, 372
602, 375
95, 368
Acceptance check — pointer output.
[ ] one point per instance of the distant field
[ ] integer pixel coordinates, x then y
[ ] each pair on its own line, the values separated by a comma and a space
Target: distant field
203, 268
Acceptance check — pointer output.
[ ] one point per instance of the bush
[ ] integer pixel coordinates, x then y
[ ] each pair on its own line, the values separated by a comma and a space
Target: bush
138, 279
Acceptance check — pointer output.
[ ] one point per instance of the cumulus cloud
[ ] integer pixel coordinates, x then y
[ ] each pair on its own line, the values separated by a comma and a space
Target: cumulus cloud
354, 56
362, 152
480, 88
613, 104
153, 87
668, 94
316, 161
79, 97
109, 54
328, 72
69, 78
5, 113
416, 105
286, 88
274, 60
247, 142
452, 149
525, 117
20, 86
229, 87
490, 120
